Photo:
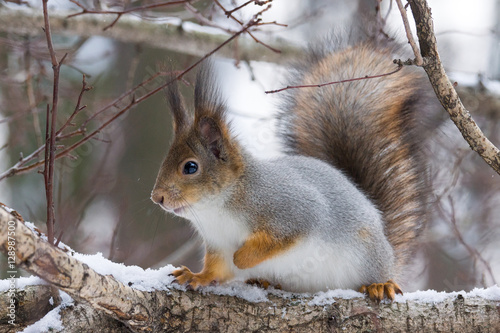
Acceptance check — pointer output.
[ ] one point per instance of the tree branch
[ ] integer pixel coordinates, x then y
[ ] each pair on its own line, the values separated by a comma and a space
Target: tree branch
445, 90
183, 311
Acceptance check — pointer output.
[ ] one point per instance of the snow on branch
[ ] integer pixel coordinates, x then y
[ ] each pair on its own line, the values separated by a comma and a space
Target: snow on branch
105, 300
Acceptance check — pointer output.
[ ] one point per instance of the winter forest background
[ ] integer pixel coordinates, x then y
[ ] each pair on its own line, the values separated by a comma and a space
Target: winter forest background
102, 191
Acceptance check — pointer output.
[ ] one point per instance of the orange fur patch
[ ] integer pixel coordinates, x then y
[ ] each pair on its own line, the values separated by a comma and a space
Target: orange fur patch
259, 247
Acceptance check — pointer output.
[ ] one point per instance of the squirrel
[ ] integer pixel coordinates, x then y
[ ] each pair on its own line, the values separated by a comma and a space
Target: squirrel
342, 209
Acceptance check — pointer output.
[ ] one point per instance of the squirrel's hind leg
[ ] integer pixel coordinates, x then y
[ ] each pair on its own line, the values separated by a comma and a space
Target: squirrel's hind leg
377, 291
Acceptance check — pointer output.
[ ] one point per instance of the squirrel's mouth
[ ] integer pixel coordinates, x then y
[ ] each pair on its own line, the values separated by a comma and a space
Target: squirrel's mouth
178, 210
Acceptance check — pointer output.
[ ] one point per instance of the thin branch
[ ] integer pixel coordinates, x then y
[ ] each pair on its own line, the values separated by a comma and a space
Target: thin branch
418, 57
50, 139
230, 15
398, 62
78, 108
119, 13
205, 21
259, 3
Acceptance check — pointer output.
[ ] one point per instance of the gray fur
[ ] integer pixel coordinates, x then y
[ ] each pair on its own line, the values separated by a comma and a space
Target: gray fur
306, 197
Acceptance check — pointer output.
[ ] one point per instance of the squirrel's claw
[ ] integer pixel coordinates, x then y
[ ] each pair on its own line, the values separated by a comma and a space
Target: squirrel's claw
184, 275
377, 291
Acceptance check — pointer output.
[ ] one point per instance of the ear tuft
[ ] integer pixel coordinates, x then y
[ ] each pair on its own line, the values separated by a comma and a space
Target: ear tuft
181, 117
211, 135
208, 99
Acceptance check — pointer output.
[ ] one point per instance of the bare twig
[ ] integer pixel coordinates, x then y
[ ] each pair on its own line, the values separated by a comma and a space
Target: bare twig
119, 13
50, 139
399, 63
444, 89
77, 110
260, 3
418, 57
204, 20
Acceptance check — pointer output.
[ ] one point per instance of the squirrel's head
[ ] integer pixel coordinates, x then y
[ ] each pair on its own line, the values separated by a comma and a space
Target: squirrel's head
204, 158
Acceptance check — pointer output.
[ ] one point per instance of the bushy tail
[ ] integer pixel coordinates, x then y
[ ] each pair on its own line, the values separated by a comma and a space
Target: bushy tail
367, 128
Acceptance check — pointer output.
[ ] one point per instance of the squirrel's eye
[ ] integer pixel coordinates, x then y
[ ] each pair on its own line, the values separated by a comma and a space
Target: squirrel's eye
190, 167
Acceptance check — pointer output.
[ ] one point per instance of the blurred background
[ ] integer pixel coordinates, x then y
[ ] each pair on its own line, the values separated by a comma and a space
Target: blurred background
103, 188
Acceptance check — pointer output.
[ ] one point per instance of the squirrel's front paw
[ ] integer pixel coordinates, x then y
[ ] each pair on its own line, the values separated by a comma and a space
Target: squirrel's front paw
377, 291
194, 280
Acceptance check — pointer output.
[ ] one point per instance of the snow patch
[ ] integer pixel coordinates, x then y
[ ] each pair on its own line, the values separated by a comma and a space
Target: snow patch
21, 282
49, 323
238, 289
431, 296
427, 296
52, 320
492, 293
328, 297
133, 276
7, 209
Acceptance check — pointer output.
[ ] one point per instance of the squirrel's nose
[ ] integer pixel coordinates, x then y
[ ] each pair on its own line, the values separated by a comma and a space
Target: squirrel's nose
157, 197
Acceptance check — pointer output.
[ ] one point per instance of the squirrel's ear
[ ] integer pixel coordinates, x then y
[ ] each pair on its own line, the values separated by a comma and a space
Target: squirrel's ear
211, 135
210, 111
181, 117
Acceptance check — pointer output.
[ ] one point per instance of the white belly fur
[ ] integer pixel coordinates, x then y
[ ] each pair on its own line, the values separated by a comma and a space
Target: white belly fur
309, 266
